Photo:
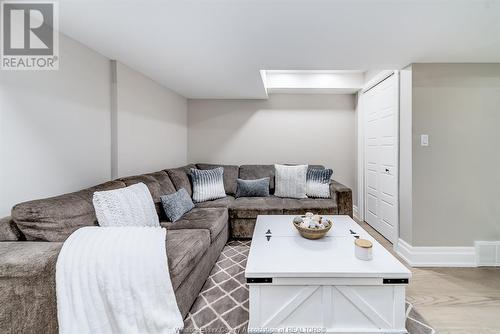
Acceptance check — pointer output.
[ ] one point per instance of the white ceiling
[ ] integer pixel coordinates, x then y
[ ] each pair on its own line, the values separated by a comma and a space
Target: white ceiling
215, 49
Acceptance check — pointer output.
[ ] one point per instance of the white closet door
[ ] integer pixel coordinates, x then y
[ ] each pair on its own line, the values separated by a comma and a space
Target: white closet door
381, 109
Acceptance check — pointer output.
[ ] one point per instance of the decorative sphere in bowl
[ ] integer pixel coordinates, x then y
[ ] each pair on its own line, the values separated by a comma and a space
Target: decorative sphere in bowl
312, 229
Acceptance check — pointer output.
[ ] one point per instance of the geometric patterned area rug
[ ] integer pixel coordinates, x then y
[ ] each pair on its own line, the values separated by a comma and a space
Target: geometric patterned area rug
222, 305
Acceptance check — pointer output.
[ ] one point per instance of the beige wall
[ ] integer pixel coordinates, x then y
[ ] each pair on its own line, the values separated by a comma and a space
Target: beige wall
286, 128
57, 133
456, 197
151, 125
54, 127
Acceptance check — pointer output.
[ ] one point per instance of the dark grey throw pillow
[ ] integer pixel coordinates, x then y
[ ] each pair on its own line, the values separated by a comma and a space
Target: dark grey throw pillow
177, 204
253, 188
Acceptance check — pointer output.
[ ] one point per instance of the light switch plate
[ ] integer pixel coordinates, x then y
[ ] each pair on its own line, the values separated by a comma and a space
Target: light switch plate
424, 140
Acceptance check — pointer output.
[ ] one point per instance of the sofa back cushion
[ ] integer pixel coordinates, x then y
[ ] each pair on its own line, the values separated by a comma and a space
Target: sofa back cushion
166, 185
158, 184
55, 218
254, 172
316, 167
181, 179
230, 176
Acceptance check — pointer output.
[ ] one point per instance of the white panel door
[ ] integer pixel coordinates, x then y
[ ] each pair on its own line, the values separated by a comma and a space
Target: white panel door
381, 109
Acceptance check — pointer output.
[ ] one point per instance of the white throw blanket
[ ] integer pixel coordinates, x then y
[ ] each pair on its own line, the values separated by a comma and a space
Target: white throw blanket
115, 280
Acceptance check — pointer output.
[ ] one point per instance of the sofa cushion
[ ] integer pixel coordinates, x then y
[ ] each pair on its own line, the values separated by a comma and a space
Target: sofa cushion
217, 203
185, 248
251, 207
151, 182
211, 219
230, 175
55, 218
191, 286
316, 167
253, 172
166, 185
316, 205
180, 177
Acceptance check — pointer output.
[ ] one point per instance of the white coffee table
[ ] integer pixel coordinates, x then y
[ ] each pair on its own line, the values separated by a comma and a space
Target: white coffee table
300, 284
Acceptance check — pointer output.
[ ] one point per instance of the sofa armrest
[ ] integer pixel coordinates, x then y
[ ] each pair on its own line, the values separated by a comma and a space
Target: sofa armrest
27, 283
9, 230
343, 196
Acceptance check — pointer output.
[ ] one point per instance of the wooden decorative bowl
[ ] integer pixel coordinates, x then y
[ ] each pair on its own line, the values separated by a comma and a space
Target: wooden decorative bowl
312, 233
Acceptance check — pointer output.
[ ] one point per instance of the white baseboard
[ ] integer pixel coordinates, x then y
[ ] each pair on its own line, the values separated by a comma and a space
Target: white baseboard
355, 212
436, 256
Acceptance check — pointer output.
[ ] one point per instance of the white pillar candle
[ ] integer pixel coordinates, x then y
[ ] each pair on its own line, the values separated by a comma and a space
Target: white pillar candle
363, 249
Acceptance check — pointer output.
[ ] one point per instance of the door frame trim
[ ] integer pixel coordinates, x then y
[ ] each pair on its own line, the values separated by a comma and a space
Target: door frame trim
361, 197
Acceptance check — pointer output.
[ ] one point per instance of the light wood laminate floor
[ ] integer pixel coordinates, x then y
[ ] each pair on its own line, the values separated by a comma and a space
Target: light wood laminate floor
454, 300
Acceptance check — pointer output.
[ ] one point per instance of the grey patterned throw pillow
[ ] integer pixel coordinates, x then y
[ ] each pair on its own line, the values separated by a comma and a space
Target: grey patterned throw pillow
177, 204
253, 188
207, 184
318, 182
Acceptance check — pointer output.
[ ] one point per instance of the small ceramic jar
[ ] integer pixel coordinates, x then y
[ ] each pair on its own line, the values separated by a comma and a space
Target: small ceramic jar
363, 249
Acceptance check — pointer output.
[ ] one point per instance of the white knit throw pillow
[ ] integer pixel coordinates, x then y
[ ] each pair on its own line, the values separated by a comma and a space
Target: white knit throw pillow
129, 206
290, 181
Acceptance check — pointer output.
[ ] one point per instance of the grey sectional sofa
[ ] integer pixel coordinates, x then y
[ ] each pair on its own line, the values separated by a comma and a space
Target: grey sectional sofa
32, 237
